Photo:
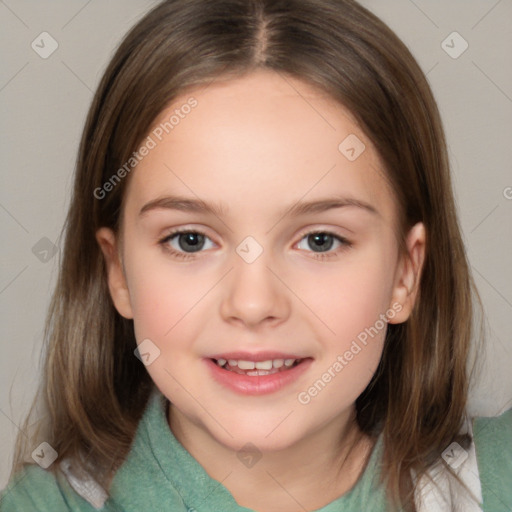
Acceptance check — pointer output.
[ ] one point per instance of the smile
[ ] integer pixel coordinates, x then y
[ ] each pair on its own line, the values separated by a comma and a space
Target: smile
254, 368
247, 377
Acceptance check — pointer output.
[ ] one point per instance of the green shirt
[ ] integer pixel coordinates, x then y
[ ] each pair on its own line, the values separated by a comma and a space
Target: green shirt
159, 474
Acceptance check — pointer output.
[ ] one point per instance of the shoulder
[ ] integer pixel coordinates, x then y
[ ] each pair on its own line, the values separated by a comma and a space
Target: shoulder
493, 436
493, 446
33, 488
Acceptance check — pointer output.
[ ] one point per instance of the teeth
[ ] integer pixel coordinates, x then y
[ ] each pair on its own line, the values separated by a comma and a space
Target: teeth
253, 373
246, 365
264, 365
260, 365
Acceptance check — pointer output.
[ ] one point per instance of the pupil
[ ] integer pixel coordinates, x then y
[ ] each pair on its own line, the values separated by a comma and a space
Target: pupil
322, 240
192, 241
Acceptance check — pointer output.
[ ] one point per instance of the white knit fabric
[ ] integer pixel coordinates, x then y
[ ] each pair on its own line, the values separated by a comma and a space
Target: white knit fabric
449, 495
87, 487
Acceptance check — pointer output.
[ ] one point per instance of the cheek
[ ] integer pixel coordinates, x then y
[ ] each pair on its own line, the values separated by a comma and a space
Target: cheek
353, 307
351, 355
162, 297
351, 299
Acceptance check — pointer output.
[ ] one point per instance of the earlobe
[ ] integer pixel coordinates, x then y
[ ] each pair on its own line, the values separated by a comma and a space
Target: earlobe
117, 285
408, 277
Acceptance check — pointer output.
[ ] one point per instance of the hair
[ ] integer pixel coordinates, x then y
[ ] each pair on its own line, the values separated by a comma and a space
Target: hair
94, 390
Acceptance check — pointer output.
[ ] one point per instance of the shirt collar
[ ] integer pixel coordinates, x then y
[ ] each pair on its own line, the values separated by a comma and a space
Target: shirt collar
196, 488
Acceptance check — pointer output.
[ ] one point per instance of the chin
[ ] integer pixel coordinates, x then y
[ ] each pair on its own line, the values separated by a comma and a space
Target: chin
266, 436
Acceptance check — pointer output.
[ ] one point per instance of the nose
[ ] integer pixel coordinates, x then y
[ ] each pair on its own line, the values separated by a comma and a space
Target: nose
254, 295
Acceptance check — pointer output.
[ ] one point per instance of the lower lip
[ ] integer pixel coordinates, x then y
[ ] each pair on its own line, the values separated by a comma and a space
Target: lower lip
259, 384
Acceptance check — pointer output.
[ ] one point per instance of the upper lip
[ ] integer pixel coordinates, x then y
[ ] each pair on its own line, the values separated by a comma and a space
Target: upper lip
257, 356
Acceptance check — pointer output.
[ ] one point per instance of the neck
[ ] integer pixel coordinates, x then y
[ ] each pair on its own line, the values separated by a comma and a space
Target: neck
306, 475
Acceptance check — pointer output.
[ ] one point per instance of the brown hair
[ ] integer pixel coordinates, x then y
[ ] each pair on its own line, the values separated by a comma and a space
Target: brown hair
94, 389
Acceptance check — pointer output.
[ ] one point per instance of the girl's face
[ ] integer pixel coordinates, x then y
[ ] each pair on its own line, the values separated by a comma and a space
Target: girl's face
255, 165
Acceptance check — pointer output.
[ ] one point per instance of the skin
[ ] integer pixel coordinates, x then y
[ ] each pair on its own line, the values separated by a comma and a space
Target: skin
258, 144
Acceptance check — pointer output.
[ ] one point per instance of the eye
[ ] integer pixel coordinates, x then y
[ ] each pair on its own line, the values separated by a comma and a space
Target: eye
322, 242
183, 243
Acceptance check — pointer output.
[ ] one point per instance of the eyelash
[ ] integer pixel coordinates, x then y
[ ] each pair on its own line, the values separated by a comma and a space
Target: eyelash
345, 244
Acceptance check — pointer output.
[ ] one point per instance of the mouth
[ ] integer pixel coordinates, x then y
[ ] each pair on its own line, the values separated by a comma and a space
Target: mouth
257, 374
257, 368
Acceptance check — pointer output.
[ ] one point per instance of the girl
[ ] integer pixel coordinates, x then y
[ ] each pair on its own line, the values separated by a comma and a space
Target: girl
264, 301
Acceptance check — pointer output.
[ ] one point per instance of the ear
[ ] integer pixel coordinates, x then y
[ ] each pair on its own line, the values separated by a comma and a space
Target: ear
115, 273
408, 274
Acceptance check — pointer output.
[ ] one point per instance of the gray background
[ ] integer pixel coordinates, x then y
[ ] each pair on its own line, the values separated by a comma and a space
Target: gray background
43, 104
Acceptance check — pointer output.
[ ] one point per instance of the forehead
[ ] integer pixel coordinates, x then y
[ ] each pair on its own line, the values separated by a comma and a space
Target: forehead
258, 142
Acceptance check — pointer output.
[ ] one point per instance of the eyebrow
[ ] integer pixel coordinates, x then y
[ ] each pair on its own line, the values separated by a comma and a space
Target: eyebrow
299, 208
